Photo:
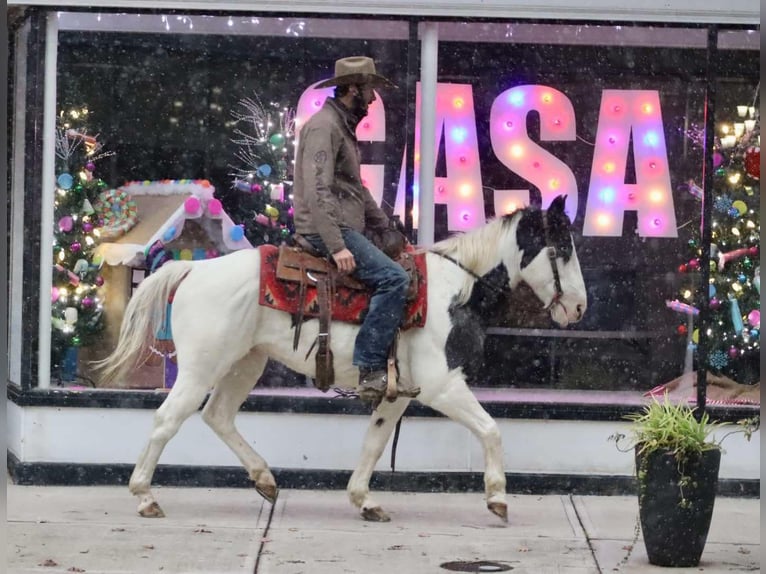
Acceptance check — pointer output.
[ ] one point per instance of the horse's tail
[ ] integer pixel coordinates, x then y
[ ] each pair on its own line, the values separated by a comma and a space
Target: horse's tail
144, 316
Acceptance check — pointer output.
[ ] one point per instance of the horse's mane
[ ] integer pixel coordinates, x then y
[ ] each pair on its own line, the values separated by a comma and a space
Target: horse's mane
476, 250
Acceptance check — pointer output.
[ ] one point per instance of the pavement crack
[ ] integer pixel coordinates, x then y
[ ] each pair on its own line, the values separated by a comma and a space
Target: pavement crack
265, 535
587, 536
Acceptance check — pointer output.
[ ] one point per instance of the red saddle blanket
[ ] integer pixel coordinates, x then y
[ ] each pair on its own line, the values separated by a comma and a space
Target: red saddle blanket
348, 305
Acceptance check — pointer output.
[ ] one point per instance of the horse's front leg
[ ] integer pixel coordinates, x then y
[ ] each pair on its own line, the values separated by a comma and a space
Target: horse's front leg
458, 403
382, 423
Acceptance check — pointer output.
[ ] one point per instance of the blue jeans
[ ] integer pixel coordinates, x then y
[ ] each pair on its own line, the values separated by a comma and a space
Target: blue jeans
389, 284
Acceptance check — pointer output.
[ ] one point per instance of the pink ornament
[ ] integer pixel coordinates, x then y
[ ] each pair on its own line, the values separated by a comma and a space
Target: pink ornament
256, 187
262, 219
754, 318
75, 247
714, 303
66, 223
87, 302
54, 294
694, 264
99, 281
87, 227
214, 207
191, 205
717, 159
733, 352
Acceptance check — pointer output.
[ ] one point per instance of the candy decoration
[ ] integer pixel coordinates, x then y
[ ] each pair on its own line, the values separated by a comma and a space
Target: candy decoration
169, 234
736, 315
214, 207
677, 305
118, 211
192, 205
237, 233
724, 258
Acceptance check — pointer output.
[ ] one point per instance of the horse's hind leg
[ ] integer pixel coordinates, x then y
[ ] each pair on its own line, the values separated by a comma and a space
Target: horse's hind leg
382, 423
458, 403
219, 413
184, 399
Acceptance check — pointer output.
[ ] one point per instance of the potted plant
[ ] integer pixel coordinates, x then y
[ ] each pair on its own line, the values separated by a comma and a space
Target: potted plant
677, 461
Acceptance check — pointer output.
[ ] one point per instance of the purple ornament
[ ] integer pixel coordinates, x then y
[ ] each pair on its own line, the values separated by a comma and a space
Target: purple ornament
99, 281
87, 227
75, 247
256, 187
714, 303
733, 352
87, 302
90, 166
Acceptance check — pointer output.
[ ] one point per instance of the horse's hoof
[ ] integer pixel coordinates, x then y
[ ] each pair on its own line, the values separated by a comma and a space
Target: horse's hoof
152, 511
499, 509
375, 514
268, 491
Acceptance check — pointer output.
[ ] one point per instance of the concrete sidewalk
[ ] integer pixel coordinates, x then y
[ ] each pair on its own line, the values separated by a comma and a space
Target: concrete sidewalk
96, 530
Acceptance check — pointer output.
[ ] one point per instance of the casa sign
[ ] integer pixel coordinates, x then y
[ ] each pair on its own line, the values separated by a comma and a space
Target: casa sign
623, 113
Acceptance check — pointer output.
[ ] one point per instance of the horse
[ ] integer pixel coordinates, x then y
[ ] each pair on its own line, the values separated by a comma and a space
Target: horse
224, 338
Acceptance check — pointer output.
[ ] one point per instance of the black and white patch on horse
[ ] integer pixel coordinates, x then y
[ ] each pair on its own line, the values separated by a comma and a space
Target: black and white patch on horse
224, 338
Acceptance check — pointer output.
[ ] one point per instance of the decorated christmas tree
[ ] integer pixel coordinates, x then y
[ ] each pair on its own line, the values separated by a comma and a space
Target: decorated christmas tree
259, 198
76, 294
734, 290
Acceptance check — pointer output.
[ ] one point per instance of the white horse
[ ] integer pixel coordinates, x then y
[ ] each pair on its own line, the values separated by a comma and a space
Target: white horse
224, 338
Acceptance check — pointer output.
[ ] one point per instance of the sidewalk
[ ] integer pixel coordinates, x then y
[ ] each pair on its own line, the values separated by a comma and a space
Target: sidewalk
56, 530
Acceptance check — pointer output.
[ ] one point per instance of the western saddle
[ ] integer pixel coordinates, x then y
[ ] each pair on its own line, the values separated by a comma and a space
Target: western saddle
303, 264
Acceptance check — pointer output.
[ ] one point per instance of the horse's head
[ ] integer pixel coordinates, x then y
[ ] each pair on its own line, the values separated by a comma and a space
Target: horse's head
548, 263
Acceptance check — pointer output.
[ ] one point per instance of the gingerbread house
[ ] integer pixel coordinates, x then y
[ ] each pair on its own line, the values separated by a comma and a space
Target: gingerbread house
188, 222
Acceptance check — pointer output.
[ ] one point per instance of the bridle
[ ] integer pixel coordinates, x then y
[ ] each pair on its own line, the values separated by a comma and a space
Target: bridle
552, 256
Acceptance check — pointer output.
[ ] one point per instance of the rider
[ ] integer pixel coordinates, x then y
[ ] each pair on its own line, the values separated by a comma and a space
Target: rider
333, 209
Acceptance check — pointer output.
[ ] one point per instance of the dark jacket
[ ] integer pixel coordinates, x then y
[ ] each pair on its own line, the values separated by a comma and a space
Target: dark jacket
327, 192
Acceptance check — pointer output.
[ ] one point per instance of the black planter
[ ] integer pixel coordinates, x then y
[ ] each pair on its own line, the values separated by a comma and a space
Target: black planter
675, 532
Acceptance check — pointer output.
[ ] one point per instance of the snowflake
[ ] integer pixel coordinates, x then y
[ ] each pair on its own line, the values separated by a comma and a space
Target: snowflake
723, 203
718, 359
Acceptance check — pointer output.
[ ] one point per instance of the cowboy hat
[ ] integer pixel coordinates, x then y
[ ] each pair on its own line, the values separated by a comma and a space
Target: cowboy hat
356, 70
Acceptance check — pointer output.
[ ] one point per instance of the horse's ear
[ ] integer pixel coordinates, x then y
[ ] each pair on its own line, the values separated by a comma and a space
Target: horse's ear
557, 213
558, 204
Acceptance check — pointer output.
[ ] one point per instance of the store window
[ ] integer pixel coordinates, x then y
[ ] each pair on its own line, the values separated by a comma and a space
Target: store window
159, 115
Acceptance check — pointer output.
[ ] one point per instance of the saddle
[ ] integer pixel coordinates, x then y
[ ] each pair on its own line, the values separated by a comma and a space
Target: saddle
303, 264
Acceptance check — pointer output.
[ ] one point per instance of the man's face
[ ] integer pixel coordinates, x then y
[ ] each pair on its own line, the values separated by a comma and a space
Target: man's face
364, 95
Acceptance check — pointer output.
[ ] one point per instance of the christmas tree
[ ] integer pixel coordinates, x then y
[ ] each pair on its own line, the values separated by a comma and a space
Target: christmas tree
76, 295
734, 290
259, 198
